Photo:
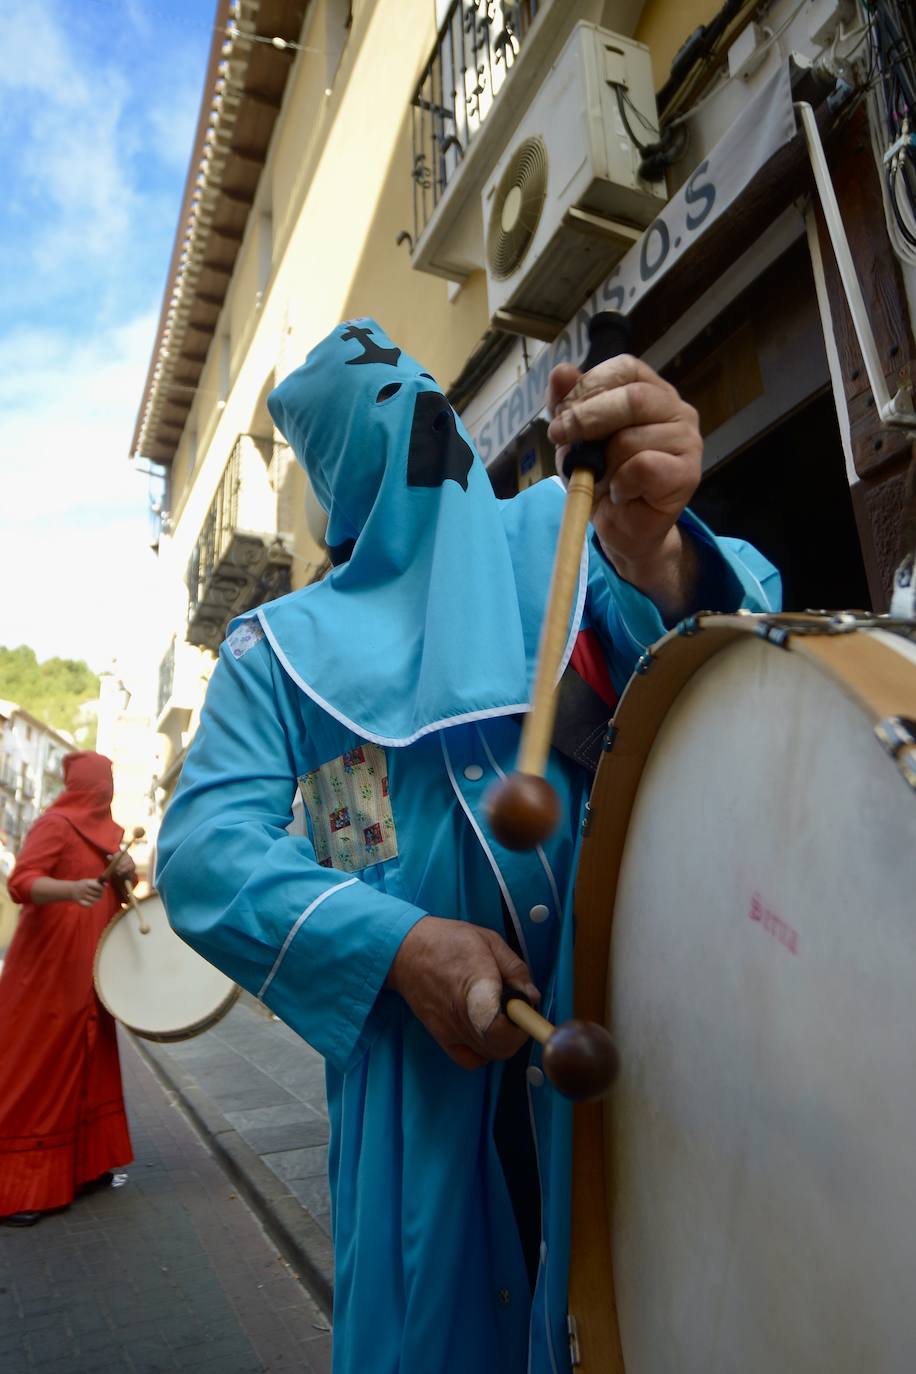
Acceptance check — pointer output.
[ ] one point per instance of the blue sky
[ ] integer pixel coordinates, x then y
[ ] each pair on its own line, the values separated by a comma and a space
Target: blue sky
98, 104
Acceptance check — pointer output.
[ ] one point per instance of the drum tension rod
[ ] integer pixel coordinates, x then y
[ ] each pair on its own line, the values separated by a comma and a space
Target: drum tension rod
897, 734
774, 634
572, 1328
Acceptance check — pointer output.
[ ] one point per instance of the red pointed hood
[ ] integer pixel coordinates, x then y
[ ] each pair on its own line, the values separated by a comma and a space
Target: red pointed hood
86, 799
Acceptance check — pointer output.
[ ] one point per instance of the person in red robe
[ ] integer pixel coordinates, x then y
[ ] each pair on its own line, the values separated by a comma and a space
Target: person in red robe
62, 1119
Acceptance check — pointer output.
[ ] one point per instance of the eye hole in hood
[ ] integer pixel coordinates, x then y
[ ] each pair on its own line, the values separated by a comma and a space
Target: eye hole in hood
387, 392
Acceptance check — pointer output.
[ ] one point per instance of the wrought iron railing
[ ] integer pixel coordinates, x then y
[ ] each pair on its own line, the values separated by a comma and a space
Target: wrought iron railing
475, 48
166, 677
220, 521
240, 558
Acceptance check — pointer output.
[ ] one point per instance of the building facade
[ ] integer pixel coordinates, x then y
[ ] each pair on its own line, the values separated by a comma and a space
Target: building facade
482, 176
31, 775
31, 770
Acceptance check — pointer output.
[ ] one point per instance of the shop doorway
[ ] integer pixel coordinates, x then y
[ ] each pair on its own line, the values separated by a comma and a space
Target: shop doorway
788, 494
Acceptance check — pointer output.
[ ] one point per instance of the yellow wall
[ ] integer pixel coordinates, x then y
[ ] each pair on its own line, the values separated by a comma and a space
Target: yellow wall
243, 303
351, 195
664, 25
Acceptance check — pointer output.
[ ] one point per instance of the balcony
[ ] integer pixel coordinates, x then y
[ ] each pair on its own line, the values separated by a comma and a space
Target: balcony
241, 557
166, 678
183, 675
476, 47
489, 60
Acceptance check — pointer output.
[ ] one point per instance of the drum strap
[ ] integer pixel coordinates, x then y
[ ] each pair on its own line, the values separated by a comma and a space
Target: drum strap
581, 720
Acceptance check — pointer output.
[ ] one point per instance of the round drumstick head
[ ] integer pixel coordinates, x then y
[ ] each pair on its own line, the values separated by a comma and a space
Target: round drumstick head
581, 1060
522, 810
139, 832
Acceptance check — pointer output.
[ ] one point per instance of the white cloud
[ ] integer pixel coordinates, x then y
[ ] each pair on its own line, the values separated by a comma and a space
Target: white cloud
68, 410
70, 154
77, 572
172, 115
98, 111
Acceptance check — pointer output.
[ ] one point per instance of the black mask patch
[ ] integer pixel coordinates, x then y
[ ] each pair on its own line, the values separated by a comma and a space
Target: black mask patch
373, 352
437, 450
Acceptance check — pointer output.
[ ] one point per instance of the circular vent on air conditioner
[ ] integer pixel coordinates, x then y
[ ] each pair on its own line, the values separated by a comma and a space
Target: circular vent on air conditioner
517, 207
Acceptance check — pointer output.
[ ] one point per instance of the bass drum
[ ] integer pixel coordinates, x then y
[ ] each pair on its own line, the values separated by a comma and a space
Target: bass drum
155, 984
747, 888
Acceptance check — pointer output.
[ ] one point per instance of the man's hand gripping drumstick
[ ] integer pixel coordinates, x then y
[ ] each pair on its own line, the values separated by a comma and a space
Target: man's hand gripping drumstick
477, 1000
451, 974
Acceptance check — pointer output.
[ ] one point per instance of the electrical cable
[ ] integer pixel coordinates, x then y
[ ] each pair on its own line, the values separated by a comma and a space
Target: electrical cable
622, 107
891, 81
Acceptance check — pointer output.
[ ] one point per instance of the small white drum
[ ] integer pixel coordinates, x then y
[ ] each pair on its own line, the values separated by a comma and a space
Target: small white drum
155, 984
747, 890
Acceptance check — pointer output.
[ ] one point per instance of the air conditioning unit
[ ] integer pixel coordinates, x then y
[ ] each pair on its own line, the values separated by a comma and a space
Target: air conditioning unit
566, 200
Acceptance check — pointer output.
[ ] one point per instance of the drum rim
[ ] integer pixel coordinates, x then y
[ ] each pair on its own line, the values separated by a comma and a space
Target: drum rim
162, 1037
831, 648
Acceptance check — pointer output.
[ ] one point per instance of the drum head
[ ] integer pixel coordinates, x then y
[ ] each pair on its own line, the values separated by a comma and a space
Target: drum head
762, 1136
155, 984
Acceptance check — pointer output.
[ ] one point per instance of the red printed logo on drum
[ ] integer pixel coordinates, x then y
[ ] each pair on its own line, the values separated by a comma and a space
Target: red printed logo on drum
773, 924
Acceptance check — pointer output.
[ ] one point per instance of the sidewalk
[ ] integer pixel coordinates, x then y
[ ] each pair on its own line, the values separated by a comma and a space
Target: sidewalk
255, 1091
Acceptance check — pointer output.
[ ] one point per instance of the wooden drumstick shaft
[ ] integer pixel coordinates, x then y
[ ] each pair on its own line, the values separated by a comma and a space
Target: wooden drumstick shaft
537, 730
523, 809
579, 1057
527, 1019
144, 928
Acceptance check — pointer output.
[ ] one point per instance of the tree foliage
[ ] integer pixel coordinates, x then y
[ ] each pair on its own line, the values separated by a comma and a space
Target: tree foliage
55, 691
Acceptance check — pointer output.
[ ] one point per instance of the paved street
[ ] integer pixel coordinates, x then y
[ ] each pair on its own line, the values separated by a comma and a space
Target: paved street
170, 1272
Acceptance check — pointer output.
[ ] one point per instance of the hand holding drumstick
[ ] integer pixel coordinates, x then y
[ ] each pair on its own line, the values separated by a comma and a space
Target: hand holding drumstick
477, 1000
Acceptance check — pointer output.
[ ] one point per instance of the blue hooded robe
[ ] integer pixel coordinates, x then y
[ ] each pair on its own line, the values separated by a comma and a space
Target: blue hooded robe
390, 695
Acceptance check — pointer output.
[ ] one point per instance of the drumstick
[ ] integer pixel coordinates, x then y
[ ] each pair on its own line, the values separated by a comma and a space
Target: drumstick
523, 809
144, 928
137, 834
579, 1056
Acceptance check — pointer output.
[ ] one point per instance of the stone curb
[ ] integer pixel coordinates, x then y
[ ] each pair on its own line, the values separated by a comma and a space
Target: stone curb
292, 1228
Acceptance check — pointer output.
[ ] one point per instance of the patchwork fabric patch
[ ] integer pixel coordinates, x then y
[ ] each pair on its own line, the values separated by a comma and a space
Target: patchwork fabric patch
350, 810
244, 637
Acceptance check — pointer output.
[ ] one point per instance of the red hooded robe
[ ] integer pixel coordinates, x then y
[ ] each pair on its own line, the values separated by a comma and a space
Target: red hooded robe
62, 1120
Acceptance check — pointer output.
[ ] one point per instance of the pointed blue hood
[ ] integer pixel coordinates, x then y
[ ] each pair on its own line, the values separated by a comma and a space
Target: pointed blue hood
425, 621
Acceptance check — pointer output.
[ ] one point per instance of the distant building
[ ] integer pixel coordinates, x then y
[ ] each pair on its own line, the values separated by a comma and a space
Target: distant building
126, 736
31, 771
